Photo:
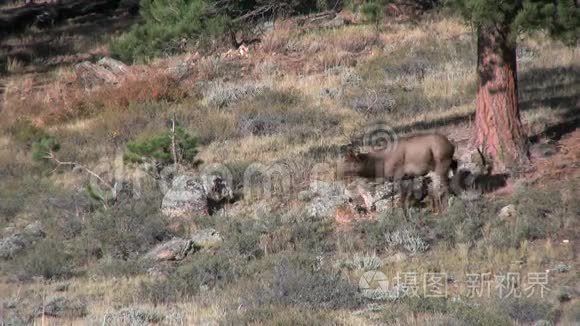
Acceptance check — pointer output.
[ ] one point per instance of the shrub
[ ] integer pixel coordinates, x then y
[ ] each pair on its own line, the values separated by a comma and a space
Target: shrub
132, 316
168, 27
468, 314
48, 259
276, 315
43, 146
158, 149
110, 267
409, 239
528, 311
125, 231
223, 95
373, 11
204, 271
26, 133
321, 289
313, 235
463, 222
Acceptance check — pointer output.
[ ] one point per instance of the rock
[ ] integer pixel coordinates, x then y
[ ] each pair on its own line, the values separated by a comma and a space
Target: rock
106, 71
193, 196
473, 162
114, 66
326, 197
561, 268
174, 249
62, 307
543, 150
11, 246
508, 212
14, 244
336, 22
383, 196
177, 248
34, 230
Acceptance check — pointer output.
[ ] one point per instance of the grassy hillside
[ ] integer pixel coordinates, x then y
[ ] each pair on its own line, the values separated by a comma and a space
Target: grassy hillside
292, 100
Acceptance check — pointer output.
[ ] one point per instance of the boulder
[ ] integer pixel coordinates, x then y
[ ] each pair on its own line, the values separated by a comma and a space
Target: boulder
191, 196
174, 249
325, 197
177, 249
335, 199
11, 246
17, 241
106, 71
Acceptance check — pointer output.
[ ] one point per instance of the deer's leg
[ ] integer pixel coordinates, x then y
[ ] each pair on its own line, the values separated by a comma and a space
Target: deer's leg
444, 186
442, 174
434, 194
404, 198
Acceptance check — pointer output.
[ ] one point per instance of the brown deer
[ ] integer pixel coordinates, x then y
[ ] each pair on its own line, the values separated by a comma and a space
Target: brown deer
411, 157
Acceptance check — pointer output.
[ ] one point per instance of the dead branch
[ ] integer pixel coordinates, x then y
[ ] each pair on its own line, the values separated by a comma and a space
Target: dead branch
50, 156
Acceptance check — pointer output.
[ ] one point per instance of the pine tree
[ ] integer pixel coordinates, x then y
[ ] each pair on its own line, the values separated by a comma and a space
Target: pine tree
499, 130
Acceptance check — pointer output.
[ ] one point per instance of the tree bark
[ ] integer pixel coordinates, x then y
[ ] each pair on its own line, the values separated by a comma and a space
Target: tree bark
499, 129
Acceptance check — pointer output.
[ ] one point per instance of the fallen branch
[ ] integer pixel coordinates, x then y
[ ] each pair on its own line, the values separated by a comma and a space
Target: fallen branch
50, 156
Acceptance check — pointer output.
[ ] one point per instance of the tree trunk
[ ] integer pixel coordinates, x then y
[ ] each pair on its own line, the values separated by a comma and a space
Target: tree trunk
499, 129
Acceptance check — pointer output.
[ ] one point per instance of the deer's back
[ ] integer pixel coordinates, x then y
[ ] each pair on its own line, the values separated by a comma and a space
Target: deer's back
418, 155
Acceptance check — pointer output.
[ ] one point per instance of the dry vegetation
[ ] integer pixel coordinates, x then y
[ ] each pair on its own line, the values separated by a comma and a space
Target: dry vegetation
295, 98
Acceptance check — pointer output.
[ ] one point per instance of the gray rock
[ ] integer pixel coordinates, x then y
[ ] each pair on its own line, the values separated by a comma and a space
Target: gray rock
193, 196
507, 212
177, 249
336, 22
174, 249
14, 244
325, 197
561, 268
34, 230
114, 66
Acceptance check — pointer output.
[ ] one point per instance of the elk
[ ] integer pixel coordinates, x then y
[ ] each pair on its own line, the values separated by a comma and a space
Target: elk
411, 157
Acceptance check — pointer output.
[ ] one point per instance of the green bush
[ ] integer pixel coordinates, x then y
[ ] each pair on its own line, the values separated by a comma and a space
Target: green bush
373, 11
43, 146
169, 26
158, 149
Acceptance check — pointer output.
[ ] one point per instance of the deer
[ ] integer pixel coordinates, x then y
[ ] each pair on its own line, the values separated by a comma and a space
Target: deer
412, 156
